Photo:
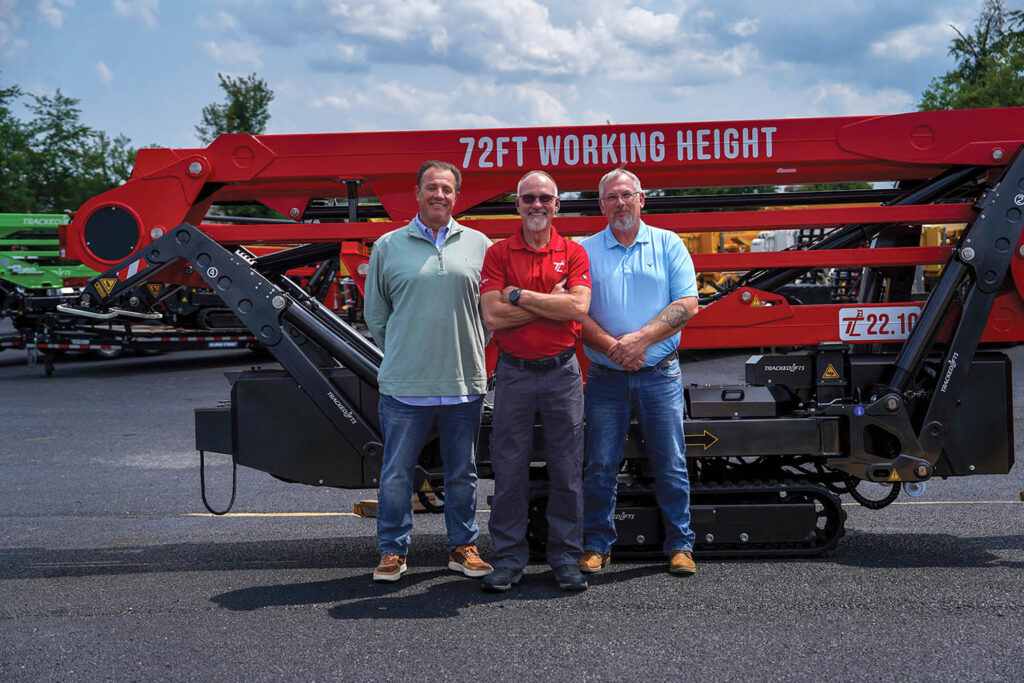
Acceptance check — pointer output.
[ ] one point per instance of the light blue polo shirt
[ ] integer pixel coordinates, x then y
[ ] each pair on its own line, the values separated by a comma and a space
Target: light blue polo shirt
632, 285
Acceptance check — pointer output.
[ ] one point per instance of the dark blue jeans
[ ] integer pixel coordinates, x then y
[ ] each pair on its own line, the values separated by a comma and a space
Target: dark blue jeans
655, 395
405, 429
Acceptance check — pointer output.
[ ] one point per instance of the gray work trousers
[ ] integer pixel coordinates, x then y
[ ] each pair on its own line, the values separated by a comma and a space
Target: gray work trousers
557, 395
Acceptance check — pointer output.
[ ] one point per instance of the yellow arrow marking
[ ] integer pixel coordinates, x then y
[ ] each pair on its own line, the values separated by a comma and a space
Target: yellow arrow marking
704, 442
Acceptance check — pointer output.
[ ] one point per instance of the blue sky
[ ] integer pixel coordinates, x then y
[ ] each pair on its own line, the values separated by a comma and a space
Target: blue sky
146, 68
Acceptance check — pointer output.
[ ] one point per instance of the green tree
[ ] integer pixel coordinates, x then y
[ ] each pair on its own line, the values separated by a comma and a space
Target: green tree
16, 192
245, 110
54, 161
989, 64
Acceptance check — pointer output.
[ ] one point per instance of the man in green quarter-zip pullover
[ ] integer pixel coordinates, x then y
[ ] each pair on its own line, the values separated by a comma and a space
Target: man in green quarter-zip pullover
423, 309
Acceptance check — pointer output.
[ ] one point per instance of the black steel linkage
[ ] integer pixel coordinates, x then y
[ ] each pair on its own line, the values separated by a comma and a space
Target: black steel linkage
317, 331
979, 264
851, 235
338, 326
263, 307
296, 257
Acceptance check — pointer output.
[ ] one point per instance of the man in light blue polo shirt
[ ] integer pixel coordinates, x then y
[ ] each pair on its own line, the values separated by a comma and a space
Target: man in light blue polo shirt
644, 292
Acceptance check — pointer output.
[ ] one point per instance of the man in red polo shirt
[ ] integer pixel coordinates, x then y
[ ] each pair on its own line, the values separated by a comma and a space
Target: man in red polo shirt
535, 290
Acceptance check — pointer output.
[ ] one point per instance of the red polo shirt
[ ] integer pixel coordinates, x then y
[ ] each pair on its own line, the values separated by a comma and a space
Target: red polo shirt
513, 262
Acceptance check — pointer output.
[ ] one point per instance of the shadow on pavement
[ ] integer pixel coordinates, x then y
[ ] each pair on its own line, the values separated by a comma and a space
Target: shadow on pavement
446, 594
858, 549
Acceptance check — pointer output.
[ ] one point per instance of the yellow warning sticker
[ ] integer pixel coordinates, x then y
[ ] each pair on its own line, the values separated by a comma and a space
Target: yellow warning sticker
106, 285
154, 289
756, 302
830, 372
895, 476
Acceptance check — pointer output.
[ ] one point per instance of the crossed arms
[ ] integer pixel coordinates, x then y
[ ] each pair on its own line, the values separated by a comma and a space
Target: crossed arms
629, 351
559, 304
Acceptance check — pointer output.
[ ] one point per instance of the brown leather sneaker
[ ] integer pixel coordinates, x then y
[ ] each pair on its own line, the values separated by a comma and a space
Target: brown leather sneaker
466, 559
391, 568
681, 562
592, 561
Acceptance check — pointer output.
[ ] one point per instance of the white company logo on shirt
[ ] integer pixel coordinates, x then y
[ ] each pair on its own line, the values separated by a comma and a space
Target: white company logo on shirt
559, 265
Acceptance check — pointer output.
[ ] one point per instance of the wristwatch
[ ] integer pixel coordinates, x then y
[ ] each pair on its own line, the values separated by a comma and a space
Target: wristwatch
513, 296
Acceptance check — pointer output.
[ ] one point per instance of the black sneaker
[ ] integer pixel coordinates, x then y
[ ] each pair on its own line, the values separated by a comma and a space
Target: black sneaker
501, 579
569, 577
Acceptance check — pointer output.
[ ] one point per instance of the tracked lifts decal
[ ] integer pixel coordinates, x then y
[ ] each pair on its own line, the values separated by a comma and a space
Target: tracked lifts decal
792, 367
949, 371
341, 406
623, 516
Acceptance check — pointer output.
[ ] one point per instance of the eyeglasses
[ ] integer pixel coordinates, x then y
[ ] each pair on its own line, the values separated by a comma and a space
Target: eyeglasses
531, 198
625, 197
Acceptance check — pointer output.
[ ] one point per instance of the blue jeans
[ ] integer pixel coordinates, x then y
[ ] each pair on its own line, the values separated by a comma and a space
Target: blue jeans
405, 429
655, 395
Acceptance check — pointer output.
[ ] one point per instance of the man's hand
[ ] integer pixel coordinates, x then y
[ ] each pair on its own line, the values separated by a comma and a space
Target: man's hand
559, 287
505, 292
627, 349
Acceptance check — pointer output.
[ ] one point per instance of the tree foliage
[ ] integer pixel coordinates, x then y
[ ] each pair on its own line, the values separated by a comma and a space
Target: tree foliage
246, 108
989, 64
54, 162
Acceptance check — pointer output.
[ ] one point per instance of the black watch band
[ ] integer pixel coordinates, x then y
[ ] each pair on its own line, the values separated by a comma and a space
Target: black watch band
513, 296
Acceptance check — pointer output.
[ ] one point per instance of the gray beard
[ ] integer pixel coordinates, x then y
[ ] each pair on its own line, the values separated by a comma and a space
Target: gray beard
624, 225
535, 223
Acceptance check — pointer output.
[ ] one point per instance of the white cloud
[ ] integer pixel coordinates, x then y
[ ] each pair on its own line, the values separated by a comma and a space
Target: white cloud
52, 11
744, 28
842, 99
104, 73
642, 24
333, 102
914, 42
542, 108
9, 24
235, 52
143, 11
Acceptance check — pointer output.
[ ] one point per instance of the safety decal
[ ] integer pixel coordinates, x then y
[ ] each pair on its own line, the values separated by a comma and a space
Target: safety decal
135, 267
830, 372
105, 285
895, 476
154, 289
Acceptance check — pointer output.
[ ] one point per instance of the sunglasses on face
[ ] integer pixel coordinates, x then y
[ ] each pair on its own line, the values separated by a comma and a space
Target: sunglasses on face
531, 198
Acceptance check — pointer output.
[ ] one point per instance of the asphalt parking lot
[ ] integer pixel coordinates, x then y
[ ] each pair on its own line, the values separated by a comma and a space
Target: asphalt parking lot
110, 568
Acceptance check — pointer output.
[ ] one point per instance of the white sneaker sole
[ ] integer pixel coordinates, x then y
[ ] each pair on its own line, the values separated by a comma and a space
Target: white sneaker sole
471, 573
388, 578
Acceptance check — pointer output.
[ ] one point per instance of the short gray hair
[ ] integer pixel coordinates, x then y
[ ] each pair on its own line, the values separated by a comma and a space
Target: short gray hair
613, 174
540, 173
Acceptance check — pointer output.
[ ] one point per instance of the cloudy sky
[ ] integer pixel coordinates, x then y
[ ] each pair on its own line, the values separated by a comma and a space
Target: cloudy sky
146, 68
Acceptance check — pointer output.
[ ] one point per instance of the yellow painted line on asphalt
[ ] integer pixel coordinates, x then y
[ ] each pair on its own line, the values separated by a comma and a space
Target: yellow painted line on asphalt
274, 514
352, 514
950, 502
41, 438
